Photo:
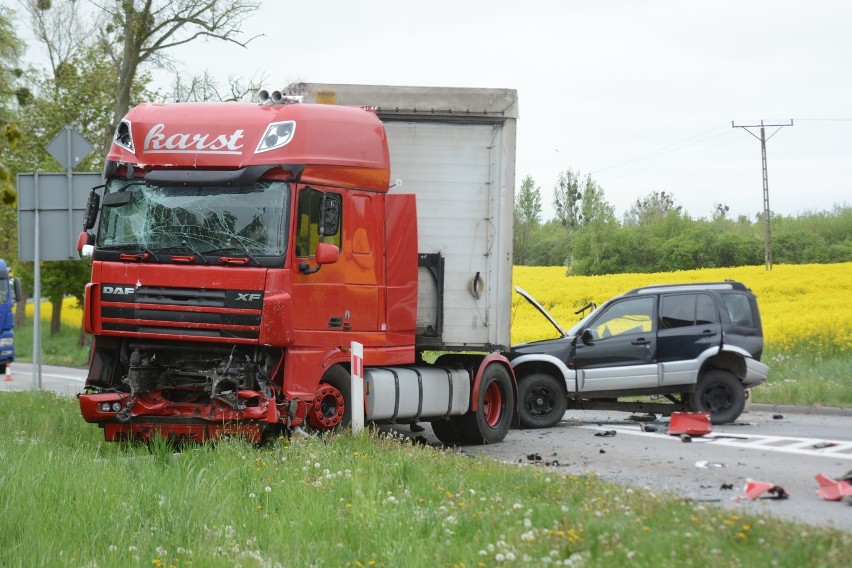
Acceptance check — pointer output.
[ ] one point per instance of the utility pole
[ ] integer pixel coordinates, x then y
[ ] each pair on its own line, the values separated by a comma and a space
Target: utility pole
767, 238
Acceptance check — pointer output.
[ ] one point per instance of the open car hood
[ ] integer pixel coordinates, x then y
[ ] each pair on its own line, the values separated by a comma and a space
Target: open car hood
541, 310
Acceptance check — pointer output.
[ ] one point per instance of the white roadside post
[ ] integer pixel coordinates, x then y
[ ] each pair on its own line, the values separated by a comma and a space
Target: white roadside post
357, 387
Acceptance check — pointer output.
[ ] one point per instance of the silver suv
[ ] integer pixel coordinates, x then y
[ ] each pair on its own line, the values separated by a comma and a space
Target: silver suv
697, 346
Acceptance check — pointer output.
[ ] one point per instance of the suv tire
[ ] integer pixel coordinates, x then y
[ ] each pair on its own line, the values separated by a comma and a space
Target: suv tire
721, 394
542, 401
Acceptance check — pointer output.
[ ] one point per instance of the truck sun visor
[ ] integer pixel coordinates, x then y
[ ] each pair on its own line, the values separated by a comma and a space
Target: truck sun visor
243, 177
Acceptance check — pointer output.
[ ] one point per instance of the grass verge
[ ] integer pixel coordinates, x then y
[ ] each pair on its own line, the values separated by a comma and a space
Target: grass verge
60, 349
359, 500
803, 379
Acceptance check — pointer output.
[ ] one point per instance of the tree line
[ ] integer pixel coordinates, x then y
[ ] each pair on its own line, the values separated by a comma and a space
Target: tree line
657, 235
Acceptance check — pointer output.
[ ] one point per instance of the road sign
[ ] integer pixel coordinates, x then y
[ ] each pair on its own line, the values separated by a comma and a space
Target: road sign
69, 148
61, 214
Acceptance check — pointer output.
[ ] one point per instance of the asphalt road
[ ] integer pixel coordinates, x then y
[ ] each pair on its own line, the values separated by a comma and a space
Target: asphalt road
784, 446
61, 380
786, 449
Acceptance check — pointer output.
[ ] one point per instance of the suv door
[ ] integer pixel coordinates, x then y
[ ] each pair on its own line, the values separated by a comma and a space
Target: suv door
688, 327
617, 349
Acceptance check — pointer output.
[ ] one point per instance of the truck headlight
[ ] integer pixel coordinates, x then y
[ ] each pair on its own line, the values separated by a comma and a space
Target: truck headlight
7, 342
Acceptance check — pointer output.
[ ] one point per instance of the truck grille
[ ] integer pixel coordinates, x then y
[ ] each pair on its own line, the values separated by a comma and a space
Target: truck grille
195, 312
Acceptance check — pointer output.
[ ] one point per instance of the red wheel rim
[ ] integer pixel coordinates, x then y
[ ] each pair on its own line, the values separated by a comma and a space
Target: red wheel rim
327, 409
493, 404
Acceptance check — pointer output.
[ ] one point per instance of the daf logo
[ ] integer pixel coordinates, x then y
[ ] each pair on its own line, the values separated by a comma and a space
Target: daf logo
246, 297
119, 290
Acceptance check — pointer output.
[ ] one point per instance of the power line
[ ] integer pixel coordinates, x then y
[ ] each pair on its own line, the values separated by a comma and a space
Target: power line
668, 161
674, 146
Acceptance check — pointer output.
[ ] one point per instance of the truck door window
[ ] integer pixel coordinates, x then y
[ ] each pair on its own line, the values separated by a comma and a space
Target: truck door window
307, 229
629, 316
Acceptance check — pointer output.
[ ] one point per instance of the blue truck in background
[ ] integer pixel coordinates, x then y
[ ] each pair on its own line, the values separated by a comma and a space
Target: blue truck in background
10, 291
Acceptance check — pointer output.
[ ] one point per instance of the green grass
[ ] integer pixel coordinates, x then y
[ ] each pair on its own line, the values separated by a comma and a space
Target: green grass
69, 499
806, 380
60, 349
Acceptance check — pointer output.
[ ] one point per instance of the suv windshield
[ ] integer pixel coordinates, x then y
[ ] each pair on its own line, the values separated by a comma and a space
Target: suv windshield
248, 221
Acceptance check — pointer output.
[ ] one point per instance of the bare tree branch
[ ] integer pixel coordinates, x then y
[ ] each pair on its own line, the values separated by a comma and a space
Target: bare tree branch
143, 30
63, 28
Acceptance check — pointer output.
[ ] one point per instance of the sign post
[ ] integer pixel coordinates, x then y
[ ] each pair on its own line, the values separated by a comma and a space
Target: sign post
49, 209
357, 387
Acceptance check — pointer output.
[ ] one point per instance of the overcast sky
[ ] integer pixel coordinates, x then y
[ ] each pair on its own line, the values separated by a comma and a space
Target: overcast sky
639, 94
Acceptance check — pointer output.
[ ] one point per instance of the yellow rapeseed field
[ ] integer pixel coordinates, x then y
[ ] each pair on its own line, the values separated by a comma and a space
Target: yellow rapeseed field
806, 308
72, 313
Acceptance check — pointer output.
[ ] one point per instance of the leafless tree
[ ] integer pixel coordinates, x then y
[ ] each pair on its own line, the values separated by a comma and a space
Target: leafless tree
205, 87
64, 28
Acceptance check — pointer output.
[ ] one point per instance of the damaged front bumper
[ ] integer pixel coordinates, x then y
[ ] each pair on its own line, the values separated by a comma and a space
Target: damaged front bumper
146, 415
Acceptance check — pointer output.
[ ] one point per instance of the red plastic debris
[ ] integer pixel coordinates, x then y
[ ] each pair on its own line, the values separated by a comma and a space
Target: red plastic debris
755, 489
832, 489
691, 423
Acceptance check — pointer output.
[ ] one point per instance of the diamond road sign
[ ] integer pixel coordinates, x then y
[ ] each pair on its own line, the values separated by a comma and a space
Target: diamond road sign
69, 148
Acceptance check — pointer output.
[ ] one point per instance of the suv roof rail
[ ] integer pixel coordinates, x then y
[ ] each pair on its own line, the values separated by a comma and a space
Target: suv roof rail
654, 288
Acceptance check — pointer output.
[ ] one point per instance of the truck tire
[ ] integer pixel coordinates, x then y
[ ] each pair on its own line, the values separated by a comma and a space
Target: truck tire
493, 416
721, 394
542, 401
332, 403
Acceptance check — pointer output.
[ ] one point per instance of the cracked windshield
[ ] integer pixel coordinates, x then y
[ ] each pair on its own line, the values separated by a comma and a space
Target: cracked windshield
246, 221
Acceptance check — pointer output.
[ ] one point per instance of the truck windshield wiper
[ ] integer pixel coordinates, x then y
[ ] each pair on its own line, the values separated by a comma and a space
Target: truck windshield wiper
233, 250
132, 246
185, 246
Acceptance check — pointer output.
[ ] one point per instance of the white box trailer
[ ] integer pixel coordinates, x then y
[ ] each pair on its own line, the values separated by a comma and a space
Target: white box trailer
454, 148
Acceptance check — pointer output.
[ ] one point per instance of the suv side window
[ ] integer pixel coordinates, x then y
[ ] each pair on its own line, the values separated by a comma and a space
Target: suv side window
739, 309
628, 316
685, 310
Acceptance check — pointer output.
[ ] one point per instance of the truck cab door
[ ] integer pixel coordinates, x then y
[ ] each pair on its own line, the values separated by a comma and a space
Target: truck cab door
617, 349
343, 295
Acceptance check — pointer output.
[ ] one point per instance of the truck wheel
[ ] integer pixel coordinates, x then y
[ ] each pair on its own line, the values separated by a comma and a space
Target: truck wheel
445, 431
542, 401
721, 394
331, 404
491, 421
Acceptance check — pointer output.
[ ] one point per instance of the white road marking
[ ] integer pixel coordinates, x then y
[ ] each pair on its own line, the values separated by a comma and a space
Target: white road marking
818, 447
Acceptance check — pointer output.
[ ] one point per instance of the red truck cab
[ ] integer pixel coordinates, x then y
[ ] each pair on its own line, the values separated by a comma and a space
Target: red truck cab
238, 250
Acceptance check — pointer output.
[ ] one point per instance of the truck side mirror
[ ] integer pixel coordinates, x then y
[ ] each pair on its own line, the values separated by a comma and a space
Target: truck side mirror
329, 215
92, 207
587, 337
327, 253
16, 289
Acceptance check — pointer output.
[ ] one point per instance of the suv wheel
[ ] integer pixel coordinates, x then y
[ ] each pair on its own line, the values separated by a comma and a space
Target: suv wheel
543, 401
721, 394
